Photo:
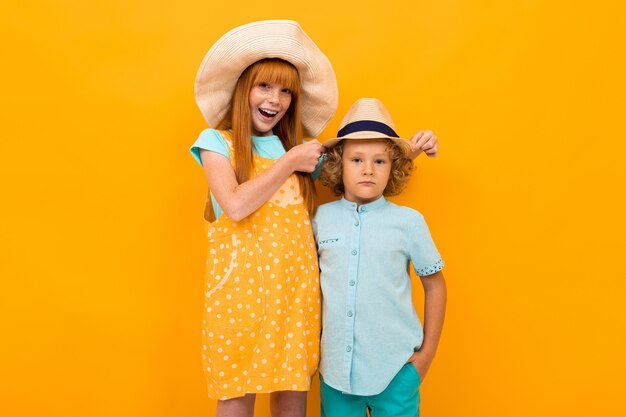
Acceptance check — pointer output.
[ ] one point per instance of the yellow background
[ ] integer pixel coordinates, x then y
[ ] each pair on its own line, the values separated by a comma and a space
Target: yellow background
101, 216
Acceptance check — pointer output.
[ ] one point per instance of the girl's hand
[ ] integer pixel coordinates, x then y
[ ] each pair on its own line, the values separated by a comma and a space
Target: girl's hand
421, 362
305, 157
426, 141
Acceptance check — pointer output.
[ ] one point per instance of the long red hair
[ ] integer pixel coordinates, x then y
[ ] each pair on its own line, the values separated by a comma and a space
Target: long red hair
288, 129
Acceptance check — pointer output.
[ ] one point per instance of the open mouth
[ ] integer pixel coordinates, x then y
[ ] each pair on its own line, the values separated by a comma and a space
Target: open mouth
267, 113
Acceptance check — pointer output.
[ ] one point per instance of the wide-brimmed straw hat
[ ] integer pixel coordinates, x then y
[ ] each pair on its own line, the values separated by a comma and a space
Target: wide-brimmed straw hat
367, 119
243, 46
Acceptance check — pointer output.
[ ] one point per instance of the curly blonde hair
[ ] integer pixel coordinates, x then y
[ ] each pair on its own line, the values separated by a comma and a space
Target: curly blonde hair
401, 169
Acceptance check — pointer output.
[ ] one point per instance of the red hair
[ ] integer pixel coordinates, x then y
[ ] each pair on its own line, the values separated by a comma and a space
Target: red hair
288, 128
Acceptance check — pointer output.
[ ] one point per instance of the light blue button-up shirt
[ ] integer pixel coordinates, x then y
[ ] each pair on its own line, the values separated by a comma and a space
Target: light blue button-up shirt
369, 325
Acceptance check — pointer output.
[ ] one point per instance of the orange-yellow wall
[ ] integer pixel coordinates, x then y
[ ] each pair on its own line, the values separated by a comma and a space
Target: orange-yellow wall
101, 217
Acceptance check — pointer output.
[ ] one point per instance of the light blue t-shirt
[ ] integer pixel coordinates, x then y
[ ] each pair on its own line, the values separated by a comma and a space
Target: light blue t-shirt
265, 146
369, 325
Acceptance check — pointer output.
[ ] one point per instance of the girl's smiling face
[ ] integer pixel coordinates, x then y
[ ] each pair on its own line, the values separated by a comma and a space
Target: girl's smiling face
268, 104
366, 168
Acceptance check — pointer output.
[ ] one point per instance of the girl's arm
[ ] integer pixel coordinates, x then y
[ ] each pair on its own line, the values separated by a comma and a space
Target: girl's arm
240, 200
434, 311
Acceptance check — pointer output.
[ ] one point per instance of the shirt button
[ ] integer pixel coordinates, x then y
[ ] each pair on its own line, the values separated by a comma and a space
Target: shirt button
351, 283
350, 314
356, 223
354, 252
348, 349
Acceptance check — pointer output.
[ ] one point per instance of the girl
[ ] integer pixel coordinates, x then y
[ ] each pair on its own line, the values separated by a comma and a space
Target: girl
261, 325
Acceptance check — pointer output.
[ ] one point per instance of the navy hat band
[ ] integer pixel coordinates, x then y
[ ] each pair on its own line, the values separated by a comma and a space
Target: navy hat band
367, 125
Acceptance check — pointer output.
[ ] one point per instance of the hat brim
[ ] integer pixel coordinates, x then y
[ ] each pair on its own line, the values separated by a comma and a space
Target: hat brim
364, 134
247, 44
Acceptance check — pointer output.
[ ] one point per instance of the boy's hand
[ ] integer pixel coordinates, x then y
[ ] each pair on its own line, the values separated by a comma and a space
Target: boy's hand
426, 141
421, 361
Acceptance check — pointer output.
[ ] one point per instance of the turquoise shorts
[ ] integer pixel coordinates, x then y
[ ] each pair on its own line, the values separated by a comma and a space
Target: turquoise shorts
401, 398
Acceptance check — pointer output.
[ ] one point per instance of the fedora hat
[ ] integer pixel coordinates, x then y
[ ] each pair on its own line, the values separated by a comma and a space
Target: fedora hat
247, 44
367, 119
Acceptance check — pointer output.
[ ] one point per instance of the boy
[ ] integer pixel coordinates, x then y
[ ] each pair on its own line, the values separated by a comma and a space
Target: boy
374, 353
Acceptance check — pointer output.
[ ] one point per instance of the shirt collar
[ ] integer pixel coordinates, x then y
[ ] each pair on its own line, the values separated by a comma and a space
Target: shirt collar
269, 138
364, 207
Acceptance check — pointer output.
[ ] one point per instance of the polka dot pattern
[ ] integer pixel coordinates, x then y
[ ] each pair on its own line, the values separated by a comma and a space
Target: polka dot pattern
261, 323
288, 193
430, 269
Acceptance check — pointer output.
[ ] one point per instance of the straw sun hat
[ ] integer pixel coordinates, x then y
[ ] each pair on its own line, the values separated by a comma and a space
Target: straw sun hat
367, 119
243, 46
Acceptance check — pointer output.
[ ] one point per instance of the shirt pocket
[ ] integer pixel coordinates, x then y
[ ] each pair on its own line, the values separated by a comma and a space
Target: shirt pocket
331, 252
330, 241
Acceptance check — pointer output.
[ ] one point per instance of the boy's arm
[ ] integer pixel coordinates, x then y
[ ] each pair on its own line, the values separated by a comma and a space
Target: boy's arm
426, 141
434, 311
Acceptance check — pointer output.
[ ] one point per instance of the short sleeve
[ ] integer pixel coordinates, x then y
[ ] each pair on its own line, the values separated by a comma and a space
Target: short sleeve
424, 255
211, 140
318, 168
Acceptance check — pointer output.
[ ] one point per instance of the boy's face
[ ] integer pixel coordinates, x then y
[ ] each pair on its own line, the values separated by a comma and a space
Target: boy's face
366, 168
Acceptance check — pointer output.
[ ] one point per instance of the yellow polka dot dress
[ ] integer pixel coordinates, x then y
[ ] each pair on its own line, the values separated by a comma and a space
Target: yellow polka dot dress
261, 324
